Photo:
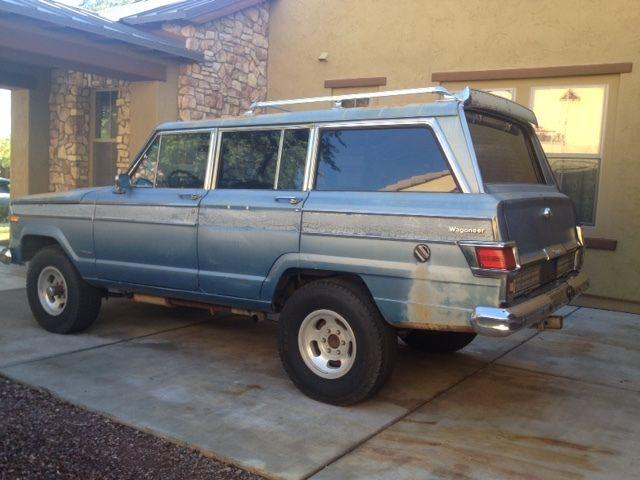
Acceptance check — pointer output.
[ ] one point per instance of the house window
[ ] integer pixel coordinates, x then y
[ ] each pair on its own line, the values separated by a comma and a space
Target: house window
355, 103
508, 93
105, 131
570, 128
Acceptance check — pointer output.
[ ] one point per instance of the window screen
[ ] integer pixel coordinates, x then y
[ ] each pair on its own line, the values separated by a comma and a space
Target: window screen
390, 159
503, 150
182, 161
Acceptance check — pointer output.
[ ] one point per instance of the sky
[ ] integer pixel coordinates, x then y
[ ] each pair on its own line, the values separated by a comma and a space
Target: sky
5, 113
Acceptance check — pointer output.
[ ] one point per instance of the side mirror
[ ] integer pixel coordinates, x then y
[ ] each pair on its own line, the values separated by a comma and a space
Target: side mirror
123, 183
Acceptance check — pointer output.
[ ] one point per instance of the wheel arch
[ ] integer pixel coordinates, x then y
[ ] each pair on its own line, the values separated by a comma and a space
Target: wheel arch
294, 278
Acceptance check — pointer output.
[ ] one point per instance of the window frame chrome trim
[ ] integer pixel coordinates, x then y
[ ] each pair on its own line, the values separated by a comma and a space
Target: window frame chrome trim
159, 134
430, 122
252, 128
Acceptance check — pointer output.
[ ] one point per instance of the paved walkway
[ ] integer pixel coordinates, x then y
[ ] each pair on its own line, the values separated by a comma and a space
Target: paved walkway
562, 405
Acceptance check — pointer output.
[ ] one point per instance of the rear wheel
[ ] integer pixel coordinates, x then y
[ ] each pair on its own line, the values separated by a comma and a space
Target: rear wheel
334, 344
437, 342
61, 301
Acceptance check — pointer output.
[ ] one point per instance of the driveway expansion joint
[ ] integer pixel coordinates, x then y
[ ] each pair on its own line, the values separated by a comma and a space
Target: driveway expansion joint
94, 347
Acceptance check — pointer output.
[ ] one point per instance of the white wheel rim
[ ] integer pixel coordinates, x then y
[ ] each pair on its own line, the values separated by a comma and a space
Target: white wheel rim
327, 344
52, 291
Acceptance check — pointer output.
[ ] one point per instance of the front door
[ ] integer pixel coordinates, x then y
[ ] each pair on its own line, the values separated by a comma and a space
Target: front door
148, 235
253, 216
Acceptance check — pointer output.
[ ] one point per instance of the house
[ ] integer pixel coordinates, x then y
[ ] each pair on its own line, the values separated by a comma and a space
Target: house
99, 85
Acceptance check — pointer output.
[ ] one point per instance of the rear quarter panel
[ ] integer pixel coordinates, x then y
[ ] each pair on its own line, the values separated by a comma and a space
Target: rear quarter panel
373, 234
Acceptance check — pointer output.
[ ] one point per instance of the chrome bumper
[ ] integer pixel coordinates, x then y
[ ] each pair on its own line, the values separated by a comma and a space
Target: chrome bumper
5, 256
500, 322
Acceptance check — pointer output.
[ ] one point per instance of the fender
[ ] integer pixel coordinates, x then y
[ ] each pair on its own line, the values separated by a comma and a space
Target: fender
74, 234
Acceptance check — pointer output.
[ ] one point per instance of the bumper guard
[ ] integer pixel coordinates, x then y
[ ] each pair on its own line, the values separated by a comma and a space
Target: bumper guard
500, 322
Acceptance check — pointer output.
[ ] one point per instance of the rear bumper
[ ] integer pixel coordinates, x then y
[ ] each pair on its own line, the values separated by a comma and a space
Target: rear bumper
500, 322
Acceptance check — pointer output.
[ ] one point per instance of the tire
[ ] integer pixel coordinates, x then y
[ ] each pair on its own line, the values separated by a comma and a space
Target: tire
368, 352
72, 305
437, 342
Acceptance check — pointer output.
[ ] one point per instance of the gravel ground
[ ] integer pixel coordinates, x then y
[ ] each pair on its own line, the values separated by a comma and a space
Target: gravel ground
42, 437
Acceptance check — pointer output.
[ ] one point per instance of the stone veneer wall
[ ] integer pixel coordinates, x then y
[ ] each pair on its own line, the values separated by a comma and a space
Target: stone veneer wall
234, 72
69, 126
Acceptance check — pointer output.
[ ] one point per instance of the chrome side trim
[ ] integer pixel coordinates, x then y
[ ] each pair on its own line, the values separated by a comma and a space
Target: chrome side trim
389, 226
501, 322
77, 211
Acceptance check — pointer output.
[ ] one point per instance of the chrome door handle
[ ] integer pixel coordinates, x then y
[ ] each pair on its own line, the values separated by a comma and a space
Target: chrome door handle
291, 200
190, 196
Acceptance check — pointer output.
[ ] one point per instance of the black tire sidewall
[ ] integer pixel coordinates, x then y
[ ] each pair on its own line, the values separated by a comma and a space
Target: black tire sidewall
67, 321
361, 379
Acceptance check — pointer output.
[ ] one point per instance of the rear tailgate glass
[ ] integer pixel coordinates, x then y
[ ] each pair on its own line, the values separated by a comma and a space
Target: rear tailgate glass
503, 149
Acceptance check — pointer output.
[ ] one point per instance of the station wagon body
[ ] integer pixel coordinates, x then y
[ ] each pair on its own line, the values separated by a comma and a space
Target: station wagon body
444, 215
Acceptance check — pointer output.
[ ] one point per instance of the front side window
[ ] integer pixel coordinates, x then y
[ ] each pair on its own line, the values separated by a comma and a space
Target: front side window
263, 159
182, 160
384, 159
570, 130
504, 150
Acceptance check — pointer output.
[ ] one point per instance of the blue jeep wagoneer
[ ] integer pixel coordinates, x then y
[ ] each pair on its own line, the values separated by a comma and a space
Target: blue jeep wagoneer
351, 226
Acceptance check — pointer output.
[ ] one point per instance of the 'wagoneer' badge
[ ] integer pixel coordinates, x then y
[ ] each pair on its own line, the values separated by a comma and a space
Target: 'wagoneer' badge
454, 229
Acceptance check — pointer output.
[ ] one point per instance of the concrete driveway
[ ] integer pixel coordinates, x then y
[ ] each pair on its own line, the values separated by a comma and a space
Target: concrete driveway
561, 405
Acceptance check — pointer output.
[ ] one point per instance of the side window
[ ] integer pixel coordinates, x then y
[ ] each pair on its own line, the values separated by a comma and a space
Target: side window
182, 160
250, 159
388, 159
293, 160
145, 173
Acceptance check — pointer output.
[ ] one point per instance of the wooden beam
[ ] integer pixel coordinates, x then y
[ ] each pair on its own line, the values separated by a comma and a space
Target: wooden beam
31, 45
17, 80
541, 72
601, 244
356, 82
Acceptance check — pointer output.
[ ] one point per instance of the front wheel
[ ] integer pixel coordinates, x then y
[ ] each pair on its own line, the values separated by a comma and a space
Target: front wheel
437, 342
61, 301
334, 344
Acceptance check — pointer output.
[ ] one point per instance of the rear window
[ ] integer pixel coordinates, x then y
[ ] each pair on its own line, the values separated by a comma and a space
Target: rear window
503, 150
389, 159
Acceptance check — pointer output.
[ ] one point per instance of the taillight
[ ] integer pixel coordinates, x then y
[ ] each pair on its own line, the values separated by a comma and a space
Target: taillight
496, 258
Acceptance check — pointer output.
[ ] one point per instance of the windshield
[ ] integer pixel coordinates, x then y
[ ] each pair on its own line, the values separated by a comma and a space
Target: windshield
503, 149
4, 187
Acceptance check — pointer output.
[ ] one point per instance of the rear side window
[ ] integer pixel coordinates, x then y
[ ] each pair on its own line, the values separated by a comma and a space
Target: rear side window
263, 159
503, 150
387, 159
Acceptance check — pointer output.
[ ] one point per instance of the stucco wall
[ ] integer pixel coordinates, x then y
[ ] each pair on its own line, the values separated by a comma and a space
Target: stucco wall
70, 122
408, 40
234, 72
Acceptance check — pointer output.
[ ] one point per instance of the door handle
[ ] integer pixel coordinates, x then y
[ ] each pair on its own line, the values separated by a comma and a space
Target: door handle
291, 200
190, 196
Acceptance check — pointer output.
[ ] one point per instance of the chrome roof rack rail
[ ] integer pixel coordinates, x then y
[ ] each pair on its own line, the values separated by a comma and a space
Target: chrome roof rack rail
338, 99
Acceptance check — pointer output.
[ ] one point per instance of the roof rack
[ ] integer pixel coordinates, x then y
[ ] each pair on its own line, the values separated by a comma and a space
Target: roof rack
338, 99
